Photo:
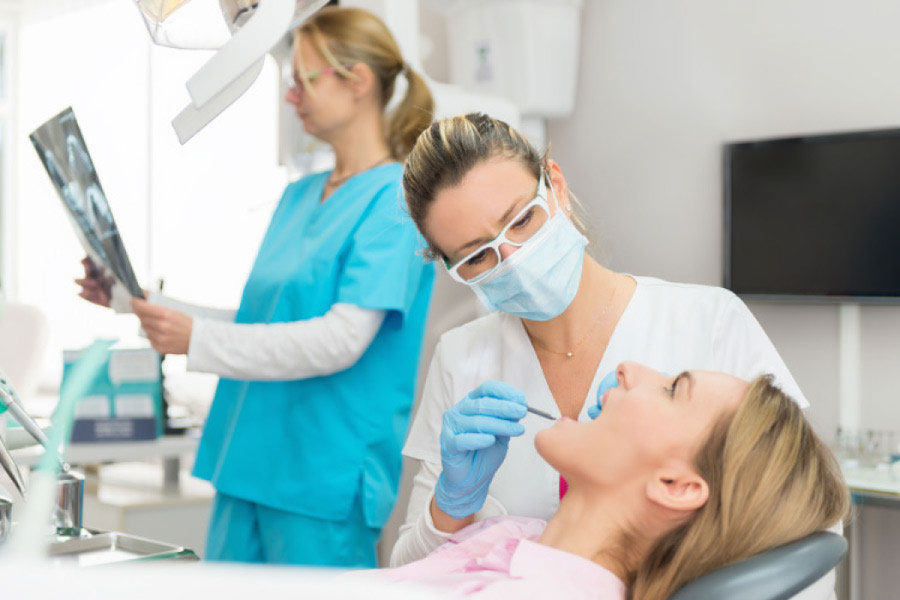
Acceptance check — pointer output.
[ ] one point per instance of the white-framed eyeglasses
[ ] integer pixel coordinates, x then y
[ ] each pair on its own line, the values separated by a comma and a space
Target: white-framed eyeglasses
479, 264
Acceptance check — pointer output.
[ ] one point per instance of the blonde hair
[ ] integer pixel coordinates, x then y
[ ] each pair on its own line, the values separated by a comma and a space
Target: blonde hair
771, 481
450, 148
346, 36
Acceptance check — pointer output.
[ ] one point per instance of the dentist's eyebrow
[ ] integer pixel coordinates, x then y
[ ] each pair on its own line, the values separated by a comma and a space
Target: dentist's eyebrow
500, 223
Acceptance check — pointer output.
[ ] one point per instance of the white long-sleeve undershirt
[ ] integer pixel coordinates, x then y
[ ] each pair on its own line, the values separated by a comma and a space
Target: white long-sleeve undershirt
276, 351
284, 351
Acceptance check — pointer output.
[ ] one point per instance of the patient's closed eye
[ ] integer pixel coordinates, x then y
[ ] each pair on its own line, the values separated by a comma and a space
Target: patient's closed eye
671, 390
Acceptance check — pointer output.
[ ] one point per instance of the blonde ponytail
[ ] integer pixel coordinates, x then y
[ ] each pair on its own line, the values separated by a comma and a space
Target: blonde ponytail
346, 36
412, 116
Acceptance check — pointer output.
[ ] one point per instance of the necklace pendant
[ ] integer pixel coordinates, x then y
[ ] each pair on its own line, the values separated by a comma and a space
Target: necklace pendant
569, 354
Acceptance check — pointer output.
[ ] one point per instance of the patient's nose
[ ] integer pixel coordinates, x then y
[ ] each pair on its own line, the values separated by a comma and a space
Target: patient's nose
625, 375
630, 374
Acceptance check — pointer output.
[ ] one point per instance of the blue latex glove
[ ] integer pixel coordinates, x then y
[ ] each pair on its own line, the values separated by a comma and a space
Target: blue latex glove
607, 383
474, 439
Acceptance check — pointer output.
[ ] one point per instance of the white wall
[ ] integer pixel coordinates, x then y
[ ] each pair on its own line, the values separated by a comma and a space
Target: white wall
662, 85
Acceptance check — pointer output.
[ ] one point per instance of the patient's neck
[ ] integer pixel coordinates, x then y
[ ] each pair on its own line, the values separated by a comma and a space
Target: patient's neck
597, 526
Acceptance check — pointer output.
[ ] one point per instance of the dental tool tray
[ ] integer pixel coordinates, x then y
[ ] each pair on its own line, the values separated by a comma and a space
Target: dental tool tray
109, 548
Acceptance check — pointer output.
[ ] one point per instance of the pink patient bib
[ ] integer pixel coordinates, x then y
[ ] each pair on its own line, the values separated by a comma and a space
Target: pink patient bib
500, 558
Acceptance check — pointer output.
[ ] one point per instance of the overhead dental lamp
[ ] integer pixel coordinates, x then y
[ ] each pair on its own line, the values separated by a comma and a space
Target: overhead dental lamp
241, 31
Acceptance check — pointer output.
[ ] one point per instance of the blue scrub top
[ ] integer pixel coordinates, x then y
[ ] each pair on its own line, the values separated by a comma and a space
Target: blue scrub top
308, 446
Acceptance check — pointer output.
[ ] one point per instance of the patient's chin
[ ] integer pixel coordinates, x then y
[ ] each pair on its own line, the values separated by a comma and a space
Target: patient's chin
553, 445
543, 443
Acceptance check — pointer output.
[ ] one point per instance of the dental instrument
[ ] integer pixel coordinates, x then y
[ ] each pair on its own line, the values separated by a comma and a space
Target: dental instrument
540, 413
10, 399
12, 471
53, 496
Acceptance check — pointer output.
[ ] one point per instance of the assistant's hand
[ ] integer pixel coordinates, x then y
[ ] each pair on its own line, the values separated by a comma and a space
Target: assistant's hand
168, 330
474, 440
96, 286
607, 383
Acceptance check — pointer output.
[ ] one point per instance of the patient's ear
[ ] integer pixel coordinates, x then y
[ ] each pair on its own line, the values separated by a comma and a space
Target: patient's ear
678, 488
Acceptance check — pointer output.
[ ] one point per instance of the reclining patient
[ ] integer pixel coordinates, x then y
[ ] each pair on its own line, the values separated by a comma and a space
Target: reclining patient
677, 477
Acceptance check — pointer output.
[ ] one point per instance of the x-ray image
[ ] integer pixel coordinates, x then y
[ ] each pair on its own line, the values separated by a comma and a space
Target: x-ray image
62, 150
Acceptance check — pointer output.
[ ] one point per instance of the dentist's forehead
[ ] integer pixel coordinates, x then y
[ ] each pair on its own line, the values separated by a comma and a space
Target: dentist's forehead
471, 210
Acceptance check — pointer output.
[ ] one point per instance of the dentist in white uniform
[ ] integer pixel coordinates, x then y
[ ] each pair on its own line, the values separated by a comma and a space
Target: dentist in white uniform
500, 218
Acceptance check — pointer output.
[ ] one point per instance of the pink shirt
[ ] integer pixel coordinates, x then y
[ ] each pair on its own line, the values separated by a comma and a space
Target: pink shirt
500, 558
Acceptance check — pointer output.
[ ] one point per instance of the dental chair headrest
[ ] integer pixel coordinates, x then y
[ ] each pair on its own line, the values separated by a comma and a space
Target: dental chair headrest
777, 574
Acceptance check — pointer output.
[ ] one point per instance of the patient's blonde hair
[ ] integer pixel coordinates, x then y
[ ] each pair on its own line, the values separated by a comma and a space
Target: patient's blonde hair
771, 481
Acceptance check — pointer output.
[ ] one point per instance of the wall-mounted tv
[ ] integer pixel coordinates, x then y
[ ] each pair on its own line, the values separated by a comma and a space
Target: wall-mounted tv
814, 217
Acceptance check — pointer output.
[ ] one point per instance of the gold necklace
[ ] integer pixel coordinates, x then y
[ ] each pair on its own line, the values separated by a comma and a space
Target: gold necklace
336, 182
571, 352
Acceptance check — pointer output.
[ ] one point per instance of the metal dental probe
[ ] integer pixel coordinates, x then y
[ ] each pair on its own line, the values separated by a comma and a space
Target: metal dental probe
540, 413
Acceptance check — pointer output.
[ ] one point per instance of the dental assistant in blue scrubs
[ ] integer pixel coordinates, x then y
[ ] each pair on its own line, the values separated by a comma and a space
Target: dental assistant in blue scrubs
317, 365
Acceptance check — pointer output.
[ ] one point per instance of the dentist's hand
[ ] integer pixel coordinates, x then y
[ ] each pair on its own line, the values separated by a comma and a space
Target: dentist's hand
474, 440
607, 383
168, 330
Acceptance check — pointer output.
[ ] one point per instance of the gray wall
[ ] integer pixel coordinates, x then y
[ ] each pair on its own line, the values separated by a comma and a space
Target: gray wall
662, 84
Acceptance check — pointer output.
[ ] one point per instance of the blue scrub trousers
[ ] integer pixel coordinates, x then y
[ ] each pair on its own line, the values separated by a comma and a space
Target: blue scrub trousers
241, 531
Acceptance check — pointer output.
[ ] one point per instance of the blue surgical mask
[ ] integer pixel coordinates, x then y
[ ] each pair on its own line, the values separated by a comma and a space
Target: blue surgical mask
540, 279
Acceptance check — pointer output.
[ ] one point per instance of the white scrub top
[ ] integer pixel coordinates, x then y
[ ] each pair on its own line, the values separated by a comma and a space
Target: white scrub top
670, 327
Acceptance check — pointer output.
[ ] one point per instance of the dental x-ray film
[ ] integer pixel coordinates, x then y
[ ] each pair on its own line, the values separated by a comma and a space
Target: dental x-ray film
61, 148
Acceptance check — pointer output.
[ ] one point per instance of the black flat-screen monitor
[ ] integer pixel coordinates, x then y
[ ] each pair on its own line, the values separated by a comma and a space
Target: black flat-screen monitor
814, 217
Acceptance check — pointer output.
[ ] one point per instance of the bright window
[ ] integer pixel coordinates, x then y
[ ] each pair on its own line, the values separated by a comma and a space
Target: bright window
7, 31
192, 215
